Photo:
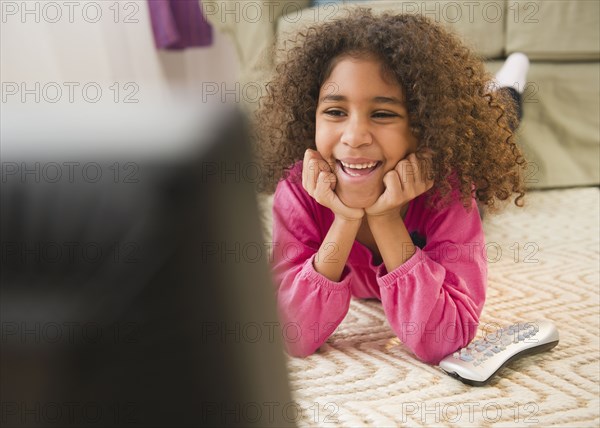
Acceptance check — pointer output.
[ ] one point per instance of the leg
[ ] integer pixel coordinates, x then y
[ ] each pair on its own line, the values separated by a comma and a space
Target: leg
511, 79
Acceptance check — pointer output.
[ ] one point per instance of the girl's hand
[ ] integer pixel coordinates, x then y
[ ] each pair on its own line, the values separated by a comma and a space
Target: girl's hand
406, 181
319, 181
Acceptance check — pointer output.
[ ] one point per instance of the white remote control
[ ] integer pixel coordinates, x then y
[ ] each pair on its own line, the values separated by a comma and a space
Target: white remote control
482, 358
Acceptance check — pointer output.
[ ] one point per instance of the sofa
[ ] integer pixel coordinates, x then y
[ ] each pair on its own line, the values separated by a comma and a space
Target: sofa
560, 131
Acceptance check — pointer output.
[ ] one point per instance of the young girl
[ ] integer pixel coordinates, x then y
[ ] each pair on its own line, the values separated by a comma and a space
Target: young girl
383, 132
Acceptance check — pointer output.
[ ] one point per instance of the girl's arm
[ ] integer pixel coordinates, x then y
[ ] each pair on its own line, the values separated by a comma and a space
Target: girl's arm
319, 181
335, 249
393, 240
310, 304
433, 299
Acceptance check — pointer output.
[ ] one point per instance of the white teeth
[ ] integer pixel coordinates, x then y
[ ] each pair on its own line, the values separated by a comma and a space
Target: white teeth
359, 165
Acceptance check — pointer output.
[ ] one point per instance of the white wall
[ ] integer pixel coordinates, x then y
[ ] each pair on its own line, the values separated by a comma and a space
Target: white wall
77, 51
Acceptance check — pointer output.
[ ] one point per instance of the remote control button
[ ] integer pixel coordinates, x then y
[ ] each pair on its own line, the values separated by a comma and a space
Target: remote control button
481, 359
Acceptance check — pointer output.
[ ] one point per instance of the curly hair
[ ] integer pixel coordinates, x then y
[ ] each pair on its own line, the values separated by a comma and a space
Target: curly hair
453, 112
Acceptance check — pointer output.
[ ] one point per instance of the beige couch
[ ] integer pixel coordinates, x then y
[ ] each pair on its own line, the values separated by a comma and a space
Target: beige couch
560, 132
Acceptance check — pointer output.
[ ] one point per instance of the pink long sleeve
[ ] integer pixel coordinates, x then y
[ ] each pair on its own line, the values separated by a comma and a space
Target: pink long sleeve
310, 305
433, 301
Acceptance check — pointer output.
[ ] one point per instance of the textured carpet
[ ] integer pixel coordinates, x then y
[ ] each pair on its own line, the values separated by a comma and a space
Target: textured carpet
544, 263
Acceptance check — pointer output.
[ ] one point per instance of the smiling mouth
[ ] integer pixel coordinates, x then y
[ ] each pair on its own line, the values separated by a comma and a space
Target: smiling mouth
357, 170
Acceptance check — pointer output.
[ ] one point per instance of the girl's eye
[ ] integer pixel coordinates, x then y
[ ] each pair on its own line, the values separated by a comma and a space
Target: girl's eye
334, 113
384, 114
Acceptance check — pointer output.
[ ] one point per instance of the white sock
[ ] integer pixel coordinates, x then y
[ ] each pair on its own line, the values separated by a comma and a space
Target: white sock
513, 72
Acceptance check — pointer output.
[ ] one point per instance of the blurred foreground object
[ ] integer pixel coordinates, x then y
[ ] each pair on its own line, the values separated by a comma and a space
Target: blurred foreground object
115, 308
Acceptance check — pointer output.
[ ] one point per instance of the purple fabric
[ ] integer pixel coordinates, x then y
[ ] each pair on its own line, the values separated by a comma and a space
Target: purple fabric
179, 24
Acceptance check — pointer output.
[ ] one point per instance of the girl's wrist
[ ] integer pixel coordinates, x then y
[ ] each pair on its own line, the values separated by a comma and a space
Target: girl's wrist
356, 215
389, 212
343, 218
392, 216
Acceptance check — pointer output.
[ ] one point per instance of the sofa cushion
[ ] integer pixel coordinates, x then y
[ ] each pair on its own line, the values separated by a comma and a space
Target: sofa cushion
559, 131
480, 24
554, 30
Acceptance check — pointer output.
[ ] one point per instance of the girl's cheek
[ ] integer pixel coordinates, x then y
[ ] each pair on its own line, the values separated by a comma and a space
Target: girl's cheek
323, 147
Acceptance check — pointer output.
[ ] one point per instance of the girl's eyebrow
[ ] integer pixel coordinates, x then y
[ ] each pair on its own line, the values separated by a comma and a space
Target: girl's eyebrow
388, 100
377, 100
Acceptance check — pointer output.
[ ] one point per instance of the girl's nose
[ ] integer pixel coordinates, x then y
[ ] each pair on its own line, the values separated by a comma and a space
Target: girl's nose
356, 133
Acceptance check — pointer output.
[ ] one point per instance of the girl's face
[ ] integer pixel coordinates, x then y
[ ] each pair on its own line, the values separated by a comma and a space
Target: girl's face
362, 129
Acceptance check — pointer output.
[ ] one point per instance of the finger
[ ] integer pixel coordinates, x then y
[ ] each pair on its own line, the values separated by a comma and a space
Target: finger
425, 165
414, 177
323, 165
331, 179
313, 154
405, 171
393, 186
323, 189
313, 163
331, 166
312, 175
307, 157
308, 175
419, 174
426, 152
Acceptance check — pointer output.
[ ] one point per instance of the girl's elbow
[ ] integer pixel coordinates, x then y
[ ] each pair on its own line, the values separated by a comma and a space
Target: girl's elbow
432, 354
433, 351
300, 349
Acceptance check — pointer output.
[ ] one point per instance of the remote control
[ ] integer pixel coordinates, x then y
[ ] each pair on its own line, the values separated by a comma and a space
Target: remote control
482, 358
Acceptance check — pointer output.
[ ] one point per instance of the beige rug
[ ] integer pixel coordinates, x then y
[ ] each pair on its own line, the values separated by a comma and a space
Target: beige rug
544, 263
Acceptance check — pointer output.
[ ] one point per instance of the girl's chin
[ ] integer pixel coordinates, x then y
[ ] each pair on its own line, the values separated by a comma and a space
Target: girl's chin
355, 198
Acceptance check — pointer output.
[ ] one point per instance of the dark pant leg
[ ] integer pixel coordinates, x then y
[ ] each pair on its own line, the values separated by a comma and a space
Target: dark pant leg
517, 99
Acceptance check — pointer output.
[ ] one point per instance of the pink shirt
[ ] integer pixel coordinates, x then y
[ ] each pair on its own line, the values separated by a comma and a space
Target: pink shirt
432, 301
